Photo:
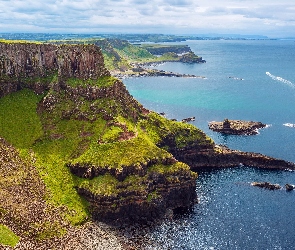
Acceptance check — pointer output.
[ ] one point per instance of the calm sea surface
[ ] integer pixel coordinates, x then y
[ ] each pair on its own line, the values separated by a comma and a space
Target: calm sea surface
248, 80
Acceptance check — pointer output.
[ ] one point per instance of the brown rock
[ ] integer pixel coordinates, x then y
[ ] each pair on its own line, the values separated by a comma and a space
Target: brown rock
236, 127
266, 185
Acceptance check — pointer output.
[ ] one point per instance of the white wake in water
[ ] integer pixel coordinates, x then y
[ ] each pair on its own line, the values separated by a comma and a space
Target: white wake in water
280, 79
291, 125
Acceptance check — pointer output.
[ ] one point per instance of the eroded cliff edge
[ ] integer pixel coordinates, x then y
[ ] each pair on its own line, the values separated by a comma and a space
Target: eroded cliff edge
98, 151
87, 139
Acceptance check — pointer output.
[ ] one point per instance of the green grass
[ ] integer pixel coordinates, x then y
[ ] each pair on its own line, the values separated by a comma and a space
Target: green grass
101, 185
19, 122
7, 237
22, 127
158, 128
114, 61
59, 181
48, 230
116, 155
134, 53
169, 169
18, 41
50, 77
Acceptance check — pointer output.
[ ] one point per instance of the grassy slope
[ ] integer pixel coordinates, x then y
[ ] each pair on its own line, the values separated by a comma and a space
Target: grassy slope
21, 127
49, 142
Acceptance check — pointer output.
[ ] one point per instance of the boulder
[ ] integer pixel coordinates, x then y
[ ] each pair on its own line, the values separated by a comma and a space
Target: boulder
289, 187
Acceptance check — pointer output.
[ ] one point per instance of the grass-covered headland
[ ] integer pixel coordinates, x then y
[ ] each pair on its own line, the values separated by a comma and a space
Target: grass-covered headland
76, 147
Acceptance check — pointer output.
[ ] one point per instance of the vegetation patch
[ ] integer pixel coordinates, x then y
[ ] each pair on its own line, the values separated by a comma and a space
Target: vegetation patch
45, 80
178, 134
103, 81
20, 124
7, 237
22, 127
105, 185
136, 151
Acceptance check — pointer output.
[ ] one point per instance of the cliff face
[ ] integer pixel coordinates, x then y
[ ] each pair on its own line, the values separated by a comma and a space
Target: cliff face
88, 124
21, 63
81, 61
27, 59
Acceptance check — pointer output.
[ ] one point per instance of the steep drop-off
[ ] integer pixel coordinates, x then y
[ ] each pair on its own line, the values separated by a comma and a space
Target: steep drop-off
85, 148
34, 66
84, 140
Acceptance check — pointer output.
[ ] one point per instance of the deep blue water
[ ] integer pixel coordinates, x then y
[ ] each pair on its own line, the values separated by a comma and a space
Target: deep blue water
231, 213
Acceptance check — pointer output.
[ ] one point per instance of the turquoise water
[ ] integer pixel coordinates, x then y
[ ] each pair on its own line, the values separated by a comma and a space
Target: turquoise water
259, 96
231, 213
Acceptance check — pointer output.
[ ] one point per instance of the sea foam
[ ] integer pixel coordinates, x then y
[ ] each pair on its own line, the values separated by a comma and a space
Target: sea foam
291, 125
280, 79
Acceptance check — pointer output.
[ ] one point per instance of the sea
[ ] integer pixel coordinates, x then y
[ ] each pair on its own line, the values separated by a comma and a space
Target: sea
250, 80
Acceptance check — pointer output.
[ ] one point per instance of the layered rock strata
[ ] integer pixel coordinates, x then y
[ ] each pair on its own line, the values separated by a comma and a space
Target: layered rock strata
222, 157
79, 90
34, 65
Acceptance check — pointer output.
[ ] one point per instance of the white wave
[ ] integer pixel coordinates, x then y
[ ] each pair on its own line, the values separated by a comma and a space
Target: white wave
280, 79
291, 125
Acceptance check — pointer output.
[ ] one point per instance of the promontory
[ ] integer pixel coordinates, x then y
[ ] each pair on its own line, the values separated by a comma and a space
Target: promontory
77, 147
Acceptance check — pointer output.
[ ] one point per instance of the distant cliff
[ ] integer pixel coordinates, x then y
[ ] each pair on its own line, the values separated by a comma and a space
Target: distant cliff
159, 49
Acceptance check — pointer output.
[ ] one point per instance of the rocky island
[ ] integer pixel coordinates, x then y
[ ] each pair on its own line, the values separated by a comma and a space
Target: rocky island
76, 147
236, 127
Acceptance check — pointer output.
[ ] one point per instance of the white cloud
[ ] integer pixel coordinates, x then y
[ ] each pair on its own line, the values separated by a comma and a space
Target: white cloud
165, 16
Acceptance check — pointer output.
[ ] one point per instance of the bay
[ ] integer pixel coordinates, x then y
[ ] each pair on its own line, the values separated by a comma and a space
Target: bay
248, 80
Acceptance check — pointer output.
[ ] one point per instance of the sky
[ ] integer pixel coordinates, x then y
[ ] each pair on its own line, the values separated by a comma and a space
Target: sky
272, 18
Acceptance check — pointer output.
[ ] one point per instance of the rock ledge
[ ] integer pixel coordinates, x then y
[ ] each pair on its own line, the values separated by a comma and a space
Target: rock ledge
236, 127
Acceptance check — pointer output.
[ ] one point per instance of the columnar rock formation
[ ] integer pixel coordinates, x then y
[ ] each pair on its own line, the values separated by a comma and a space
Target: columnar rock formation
33, 65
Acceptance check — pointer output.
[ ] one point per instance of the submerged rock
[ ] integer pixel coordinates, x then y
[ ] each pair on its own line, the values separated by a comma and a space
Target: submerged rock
266, 185
289, 187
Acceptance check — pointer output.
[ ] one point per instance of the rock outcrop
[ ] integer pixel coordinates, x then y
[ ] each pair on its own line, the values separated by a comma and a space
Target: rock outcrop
32, 65
159, 194
127, 162
162, 49
236, 127
222, 157
266, 185
289, 187
206, 155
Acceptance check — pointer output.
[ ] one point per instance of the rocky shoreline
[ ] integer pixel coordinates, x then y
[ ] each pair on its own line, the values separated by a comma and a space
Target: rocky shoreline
144, 72
223, 157
151, 186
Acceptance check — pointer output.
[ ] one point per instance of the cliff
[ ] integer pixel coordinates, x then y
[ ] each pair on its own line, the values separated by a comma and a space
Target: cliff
83, 141
79, 146
157, 49
120, 56
34, 65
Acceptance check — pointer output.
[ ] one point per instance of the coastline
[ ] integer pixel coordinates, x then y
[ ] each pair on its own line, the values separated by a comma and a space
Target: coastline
220, 157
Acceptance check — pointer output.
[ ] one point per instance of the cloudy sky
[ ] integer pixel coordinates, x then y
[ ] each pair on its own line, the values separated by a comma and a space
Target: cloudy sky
265, 17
